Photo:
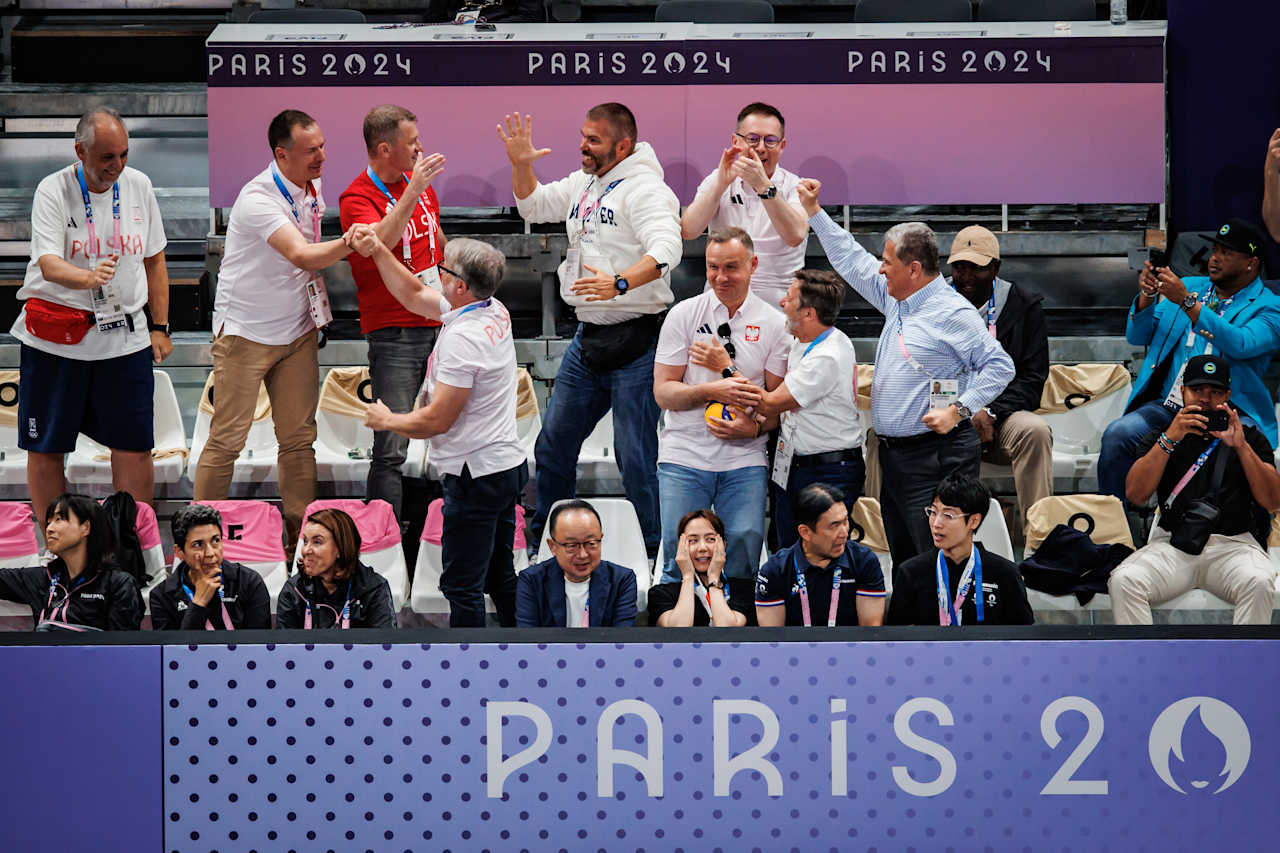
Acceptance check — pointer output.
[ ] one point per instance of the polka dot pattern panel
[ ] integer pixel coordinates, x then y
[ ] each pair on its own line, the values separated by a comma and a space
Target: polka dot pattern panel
1063, 746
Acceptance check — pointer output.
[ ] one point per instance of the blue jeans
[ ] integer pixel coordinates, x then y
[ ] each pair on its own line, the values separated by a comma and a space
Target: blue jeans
737, 496
476, 545
397, 363
1121, 441
849, 476
579, 399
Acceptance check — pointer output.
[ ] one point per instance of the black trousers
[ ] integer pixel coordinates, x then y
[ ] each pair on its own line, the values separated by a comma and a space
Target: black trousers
476, 545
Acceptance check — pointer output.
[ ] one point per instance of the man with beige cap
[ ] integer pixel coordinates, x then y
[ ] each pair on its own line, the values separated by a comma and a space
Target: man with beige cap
1008, 427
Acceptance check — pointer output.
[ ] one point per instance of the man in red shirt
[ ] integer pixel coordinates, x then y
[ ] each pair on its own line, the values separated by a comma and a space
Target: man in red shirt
394, 195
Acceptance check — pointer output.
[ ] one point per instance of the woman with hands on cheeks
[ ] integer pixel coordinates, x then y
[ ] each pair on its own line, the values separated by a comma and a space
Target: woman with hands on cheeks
701, 597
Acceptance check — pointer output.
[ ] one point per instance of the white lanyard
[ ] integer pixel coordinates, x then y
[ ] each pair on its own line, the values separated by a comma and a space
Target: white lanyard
432, 224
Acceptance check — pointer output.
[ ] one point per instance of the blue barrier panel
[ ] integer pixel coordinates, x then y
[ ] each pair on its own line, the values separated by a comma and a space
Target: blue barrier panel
1016, 745
81, 749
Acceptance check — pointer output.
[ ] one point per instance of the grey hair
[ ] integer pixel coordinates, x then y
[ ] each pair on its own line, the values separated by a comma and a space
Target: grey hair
84, 127
479, 264
192, 516
915, 241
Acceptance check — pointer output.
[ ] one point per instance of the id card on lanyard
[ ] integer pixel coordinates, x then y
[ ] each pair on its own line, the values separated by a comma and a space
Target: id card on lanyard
108, 311
971, 578
1174, 398
406, 251
942, 392
317, 296
803, 584
573, 255
786, 450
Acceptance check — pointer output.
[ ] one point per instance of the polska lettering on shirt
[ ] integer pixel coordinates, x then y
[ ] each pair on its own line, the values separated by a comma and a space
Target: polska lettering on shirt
497, 330
132, 246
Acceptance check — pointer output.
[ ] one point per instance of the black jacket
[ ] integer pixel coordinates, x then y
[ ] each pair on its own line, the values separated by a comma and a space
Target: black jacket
915, 592
107, 600
1021, 330
371, 603
243, 593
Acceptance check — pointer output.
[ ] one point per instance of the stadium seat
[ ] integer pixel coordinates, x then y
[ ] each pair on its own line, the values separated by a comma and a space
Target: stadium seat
866, 374
253, 534
18, 548
257, 460
866, 527
911, 11
148, 530
528, 418
993, 533
598, 463
623, 542
715, 11
1036, 10
90, 462
344, 445
380, 540
1101, 517
13, 459
425, 596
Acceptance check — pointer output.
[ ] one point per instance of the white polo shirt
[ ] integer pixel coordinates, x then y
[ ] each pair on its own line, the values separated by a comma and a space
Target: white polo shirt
822, 376
261, 295
475, 350
760, 341
739, 206
58, 228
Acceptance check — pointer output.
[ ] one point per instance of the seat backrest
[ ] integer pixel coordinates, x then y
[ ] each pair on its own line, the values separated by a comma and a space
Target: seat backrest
715, 11
375, 520
993, 533
18, 545
433, 528
866, 526
167, 414
623, 542
909, 11
1080, 400
1037, 10
344, 398
252, 531
866, 374
307, 16
9, 408
1100, 517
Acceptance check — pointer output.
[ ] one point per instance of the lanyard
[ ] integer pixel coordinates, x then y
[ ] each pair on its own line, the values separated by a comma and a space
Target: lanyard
902, 346
703, 596
405, 252
585, 213
804, 593
586, 612
208, 625
1191, 472
66, 602
473, 306
88, 215
315, 205
949, 613
819, 339
344, 622
991, 313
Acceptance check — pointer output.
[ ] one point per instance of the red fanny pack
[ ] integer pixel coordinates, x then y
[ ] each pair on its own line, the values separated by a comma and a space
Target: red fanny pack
58, 324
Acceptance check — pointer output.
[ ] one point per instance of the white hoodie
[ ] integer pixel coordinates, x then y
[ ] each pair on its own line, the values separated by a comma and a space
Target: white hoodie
631, 213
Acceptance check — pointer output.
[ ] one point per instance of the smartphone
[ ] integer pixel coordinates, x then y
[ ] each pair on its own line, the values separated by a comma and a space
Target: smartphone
1218, 420
1157, 257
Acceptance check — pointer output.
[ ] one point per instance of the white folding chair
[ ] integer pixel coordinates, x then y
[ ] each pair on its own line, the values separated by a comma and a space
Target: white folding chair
1101, 517
598, 471
528, 418
425, 596
381, 546
18, 548
344, 445
1077, 432
257, 460
866, 527
252, 535
623, 542
90, 462
993, 533
13, 459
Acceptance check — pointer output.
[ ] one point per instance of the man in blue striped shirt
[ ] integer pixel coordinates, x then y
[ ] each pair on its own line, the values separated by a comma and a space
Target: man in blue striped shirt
936, 364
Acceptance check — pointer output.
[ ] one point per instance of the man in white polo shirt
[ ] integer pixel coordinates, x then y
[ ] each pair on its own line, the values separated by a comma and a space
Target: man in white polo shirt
97, 261
718, 352
821, 436
266, 315
751, 191
469, 414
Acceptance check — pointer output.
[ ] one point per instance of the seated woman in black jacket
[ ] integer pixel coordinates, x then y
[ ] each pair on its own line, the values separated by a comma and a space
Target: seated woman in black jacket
80, 589
206, 592
332, 588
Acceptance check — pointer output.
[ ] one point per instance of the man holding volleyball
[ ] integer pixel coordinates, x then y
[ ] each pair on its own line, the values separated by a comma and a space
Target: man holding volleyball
717, 353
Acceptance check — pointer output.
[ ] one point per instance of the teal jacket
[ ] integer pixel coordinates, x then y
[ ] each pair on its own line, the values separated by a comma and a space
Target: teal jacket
1246, 334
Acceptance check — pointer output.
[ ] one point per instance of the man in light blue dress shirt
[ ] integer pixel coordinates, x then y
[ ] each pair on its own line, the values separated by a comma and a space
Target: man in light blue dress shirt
936, 364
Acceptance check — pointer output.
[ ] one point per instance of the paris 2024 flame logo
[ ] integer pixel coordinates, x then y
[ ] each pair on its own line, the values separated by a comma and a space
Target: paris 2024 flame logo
1169, 736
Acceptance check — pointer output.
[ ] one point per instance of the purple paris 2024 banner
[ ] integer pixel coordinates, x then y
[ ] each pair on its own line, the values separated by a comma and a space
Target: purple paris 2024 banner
1019, 745
878, 121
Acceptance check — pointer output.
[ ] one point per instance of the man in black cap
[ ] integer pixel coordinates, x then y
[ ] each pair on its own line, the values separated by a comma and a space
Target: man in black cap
1217, 486
1228, 313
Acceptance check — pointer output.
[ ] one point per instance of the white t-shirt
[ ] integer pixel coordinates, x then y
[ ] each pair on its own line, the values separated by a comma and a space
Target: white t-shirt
741, 207
824, 383
475, 350
261, 295
575, 601
760, 340
58, 228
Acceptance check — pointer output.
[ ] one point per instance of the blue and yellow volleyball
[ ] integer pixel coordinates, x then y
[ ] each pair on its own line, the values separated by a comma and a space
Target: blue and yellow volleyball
722, 412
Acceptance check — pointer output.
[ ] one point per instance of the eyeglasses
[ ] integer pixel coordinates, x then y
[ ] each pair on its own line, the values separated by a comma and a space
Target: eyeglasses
726, 337
931, 513
754, 139
575, 547
443, 268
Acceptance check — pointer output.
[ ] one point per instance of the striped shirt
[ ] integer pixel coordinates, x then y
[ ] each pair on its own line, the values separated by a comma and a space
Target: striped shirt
941, 331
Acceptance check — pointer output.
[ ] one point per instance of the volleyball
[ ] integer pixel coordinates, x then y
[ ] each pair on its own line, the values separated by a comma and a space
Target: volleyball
722, 412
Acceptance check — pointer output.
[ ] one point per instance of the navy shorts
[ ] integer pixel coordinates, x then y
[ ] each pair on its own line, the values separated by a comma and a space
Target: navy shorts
110, 401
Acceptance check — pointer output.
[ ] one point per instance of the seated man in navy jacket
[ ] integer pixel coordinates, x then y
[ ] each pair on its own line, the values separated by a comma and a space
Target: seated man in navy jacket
575, 588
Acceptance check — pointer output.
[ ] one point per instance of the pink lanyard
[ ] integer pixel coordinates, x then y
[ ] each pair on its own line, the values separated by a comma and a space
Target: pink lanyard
804, 593
584, 213
1191, 472
346, 612
208, 625
902, 345
54, 616
432, 224
88, 215
586, 614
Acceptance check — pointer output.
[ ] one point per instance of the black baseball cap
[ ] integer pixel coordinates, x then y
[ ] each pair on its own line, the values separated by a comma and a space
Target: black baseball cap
1207, 370
1241, 236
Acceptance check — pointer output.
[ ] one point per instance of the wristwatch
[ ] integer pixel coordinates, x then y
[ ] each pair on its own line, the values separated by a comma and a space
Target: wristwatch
719, 584
158, 327
990, 414
1189, 302
621, 284
728, 372
965, 411
769, 193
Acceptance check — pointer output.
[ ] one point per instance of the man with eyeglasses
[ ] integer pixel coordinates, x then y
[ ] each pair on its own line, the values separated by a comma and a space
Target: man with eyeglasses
575, 588
468, 411
749, 190
718, 352
959, 582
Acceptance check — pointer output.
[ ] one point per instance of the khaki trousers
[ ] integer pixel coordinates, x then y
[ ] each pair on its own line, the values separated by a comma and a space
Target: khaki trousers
1233, 568
1024, 441
292, 376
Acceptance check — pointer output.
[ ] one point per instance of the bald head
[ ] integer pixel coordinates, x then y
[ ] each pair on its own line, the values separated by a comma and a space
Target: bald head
102, 144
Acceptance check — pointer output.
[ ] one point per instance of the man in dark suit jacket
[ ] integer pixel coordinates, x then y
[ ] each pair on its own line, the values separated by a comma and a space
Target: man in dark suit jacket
575, 588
